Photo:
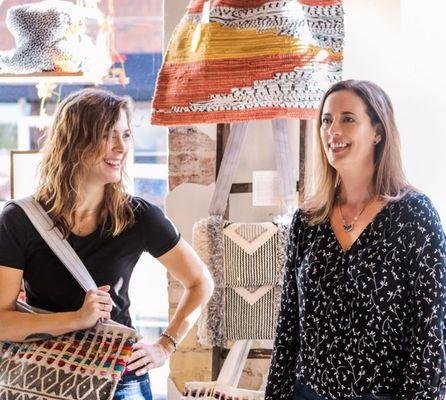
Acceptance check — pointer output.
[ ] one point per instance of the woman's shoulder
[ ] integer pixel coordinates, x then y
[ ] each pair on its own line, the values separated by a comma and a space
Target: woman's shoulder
416, 204
141, 205
300, 222
12, 213
145, 210
417, 210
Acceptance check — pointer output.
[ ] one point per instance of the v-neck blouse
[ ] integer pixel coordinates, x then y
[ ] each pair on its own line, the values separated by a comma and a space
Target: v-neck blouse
367, 320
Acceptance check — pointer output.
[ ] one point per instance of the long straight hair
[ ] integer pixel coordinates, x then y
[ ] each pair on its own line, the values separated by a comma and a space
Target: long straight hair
389, 180
80, 123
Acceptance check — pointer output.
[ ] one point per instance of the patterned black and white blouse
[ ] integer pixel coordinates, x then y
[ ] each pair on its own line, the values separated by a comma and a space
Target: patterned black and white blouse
368, 320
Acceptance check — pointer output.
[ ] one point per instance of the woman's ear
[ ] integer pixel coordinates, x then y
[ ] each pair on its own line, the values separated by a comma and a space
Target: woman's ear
378, 133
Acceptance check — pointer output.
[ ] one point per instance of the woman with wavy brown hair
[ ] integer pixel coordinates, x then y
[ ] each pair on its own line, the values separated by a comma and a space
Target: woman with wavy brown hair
364, 297
83, 192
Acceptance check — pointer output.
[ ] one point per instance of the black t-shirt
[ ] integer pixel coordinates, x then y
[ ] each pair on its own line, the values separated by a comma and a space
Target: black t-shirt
110, 261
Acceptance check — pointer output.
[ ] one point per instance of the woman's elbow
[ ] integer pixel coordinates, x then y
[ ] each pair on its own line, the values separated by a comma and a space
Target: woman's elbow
208, 285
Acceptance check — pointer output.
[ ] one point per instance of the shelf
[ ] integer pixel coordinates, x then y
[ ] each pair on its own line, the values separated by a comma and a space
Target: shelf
77, 78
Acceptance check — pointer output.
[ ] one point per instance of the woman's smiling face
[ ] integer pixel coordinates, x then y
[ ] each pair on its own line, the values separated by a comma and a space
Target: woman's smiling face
107, 168
347, 133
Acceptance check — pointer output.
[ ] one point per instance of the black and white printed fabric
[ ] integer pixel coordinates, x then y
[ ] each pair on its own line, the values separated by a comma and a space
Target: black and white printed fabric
368, 320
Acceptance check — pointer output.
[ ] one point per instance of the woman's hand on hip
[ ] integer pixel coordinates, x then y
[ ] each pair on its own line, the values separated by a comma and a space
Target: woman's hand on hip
97, 304
146, 357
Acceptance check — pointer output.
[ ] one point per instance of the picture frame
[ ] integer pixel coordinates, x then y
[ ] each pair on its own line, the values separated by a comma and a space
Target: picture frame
24, 172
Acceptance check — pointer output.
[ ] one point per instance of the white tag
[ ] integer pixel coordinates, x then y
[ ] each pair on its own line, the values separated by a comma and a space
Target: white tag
205, 15
265, 188
196, 38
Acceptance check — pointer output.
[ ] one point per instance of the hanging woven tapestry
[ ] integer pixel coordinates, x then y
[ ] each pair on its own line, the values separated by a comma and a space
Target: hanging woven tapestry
241, 60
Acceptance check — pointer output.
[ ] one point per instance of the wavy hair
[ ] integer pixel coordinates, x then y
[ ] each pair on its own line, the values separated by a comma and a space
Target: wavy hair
76, 136
389, 180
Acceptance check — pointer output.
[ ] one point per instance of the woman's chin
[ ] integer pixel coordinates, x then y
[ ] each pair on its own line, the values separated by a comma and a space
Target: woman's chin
337, 160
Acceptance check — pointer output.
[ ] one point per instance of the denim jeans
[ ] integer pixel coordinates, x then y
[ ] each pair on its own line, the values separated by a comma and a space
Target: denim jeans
133, 388
302, 392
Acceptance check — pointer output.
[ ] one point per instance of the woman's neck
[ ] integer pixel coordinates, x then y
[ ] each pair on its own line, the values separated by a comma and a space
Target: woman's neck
356, 189
90, 200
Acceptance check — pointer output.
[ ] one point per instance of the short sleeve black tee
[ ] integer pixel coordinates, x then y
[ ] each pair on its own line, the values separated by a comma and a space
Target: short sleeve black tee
109, 260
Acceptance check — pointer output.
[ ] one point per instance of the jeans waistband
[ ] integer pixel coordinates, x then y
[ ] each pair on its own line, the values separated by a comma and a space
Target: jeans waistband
129, 377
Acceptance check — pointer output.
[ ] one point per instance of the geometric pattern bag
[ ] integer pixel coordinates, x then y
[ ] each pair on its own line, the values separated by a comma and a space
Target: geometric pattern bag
81, 365
246, 260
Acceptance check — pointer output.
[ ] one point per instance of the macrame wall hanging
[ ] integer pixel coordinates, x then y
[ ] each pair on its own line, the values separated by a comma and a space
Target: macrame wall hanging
241, 60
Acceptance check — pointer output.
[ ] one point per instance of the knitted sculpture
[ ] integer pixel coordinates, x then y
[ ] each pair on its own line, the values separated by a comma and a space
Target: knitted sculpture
46, 38
241, 60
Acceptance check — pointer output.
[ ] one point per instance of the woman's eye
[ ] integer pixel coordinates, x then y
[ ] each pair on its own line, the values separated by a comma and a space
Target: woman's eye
325, 121
349, 119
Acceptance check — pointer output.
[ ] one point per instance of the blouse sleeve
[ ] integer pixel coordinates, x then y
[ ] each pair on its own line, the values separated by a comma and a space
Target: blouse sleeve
281, 377
424, 374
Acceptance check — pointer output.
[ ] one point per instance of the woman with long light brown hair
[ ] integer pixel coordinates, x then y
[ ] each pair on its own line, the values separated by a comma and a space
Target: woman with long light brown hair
364, 298
83, 192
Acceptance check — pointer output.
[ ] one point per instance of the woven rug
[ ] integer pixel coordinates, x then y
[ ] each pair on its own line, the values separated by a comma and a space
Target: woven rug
241, 60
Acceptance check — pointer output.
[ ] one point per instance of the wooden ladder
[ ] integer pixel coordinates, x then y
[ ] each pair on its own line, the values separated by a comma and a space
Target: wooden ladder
219, 354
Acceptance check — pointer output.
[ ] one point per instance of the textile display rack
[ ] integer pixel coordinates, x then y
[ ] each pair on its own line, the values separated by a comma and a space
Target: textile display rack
220, 353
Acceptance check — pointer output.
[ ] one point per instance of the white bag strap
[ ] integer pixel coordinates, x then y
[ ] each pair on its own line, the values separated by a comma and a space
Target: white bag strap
54, 238
232, 368
231, 157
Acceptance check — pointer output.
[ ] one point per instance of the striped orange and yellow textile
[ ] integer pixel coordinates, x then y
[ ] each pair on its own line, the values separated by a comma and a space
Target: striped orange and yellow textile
238, 60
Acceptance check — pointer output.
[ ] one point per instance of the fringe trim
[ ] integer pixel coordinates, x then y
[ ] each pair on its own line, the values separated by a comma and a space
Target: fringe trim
208, 242
283, 224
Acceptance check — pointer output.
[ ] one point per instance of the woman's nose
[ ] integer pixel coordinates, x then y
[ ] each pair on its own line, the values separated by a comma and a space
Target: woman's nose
334, 128
119, 144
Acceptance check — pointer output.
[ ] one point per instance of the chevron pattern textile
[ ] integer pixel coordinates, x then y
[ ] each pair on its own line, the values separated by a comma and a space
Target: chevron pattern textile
83, 365
238, 60
250, 254
250, 314
246, 261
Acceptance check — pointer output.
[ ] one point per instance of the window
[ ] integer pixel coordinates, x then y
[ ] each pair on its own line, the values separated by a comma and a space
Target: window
138, 38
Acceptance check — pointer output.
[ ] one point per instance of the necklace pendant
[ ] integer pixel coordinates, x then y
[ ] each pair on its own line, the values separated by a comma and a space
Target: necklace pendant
347, 228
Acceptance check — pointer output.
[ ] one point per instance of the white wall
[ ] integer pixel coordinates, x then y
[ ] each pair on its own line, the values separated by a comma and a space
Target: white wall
397, 45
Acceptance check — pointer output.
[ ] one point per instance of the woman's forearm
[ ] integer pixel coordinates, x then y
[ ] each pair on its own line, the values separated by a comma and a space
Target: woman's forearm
20, 327
189, 308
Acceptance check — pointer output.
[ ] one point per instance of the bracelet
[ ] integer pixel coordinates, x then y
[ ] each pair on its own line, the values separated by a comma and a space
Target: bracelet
171, 339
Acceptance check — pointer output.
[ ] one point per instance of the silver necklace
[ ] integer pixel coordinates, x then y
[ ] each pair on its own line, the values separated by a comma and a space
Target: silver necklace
349, 227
